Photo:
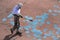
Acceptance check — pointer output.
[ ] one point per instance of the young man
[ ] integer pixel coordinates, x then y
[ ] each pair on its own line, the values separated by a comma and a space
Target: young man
16, 13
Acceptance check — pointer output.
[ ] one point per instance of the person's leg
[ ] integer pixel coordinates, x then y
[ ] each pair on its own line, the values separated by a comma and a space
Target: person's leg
15, 24
18, 24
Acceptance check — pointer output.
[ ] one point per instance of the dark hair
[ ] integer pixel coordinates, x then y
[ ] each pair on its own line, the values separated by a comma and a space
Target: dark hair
19, 7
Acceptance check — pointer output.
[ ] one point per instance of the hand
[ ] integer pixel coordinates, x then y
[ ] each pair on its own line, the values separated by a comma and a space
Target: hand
20, 16
28, 19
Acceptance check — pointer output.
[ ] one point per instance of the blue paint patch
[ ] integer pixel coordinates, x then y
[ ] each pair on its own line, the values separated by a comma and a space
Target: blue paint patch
4, 19
39, 39
57, 32
54, 10
44, 16
45, 36
27, 32
33, 24
26, 21
33, 27
35, 31
10, 16
28, 18
27, 27
54, 14
58, 29
38, 17
50, 33
45, 29
50, 11
54, 38
48, 22
56, 6
58, 11
42, 21
41, 24
55, 26
12, 22
36, 36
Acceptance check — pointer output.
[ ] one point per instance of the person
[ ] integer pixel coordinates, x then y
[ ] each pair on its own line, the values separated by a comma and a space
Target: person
16, 13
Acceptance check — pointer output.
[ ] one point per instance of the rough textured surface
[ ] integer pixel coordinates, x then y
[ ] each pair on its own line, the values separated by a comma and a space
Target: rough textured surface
45, 15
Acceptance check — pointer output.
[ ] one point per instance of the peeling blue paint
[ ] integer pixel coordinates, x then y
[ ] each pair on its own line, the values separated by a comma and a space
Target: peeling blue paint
48, 22
54, 37
45, 36
12, 22
4, 19
45, 29
10, 16
28, 18
27, 27
27, 32
55, 26
50, 11
54, 14
57, 32
36, 36
55, 6
35, 31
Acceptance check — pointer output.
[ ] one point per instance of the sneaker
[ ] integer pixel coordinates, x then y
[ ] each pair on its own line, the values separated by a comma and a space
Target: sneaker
19, 33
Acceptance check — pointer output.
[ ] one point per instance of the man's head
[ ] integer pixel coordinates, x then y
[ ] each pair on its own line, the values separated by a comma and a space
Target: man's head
20, 4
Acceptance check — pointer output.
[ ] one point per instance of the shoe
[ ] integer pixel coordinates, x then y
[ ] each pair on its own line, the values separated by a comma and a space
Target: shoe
19, 33
11, 31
